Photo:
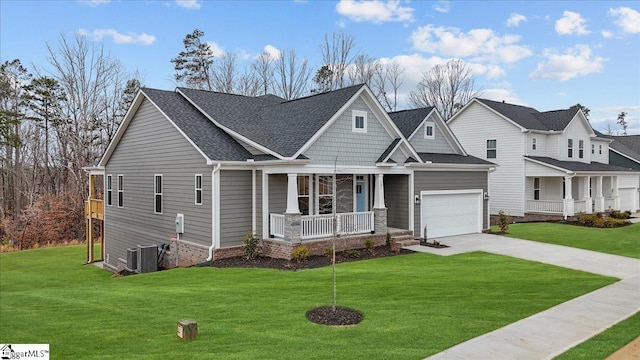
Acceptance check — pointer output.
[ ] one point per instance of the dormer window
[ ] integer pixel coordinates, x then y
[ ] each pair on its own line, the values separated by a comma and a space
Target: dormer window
580, 149
429, 132
570, 148
533, 143
359, 121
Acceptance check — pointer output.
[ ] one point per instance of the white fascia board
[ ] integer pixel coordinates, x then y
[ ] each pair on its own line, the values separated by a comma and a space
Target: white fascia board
232, 133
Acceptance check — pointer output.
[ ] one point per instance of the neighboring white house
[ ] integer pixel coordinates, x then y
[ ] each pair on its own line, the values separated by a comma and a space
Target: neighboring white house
549, 162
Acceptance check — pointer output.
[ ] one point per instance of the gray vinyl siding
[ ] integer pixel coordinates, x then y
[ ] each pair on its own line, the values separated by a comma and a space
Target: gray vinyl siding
351, 148
151, 145
448, 180
235, 206
399, 157
396, 195
438, 144
344, 193
277, 193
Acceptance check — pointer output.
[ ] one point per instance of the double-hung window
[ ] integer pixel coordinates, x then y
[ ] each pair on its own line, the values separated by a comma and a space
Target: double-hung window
157, 194
198, 189
580, 149
359, 121
570, 148
325, 194
600, 149
109, 191
536, 188
120, 191
533, 143
492, 149
304, 194
429, 130
593, 149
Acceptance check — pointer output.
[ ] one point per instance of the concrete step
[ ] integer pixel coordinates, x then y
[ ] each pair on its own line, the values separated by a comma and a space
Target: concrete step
408, 242
401, 232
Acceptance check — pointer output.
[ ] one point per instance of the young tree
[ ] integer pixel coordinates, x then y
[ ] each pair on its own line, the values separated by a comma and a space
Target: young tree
291, 76
193, 65
448, 87
323, 79
622, 122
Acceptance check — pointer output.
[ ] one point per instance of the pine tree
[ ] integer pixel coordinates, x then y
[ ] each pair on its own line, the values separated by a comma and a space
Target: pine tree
193, 65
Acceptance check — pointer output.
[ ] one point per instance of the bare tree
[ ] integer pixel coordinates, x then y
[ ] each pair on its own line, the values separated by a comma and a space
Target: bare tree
386, 83
193, 65
263, 69
448, 87
224, 74
249, 84
336, 52
362, 70
291, 76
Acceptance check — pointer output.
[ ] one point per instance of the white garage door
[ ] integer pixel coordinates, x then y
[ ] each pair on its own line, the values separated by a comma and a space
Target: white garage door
627, 199
453, 212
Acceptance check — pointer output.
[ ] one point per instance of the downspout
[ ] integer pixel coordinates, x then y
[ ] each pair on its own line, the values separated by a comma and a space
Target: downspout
216, 168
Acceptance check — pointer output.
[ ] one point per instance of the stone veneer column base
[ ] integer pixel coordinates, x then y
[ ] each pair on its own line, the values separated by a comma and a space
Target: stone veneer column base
380, 221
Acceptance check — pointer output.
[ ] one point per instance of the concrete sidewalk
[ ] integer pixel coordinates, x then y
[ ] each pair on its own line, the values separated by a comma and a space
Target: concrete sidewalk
554, 331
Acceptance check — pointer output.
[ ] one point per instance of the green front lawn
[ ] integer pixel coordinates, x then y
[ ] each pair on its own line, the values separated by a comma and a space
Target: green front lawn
414, 306
623, 241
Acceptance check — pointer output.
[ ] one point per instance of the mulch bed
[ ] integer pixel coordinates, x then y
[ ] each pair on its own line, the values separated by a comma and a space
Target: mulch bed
312, 262
341, 316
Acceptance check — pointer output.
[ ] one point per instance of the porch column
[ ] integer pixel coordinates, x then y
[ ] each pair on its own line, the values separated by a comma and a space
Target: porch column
568, 198
599, 199
587, 196
379, 209
292, 216
614, 192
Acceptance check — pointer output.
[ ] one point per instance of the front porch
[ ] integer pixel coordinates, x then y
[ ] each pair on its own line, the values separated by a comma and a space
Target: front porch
570, 195
319, 226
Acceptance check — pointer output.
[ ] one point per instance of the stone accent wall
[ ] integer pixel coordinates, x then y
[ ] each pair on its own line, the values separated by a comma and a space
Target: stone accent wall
380, 221
292, 227
282, 249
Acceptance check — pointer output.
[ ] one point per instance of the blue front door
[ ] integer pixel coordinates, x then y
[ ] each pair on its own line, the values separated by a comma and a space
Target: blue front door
361, 195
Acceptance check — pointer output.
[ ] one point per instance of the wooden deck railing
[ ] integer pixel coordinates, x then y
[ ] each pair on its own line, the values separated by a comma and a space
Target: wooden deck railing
94, 209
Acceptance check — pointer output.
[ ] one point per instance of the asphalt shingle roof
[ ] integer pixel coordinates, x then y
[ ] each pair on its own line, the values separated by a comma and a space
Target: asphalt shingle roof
388, 150
213, 141
408, 120
283, 126
453, 159
532, 119
626, 144
578, 166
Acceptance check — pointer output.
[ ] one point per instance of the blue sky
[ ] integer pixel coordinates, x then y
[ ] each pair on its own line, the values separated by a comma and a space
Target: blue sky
544, 54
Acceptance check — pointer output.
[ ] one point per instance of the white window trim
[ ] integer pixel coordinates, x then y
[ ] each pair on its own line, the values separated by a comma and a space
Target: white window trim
354, 114
533, 144
309, 195
109, 194
156, 193
570, 148
495, 149
120, 190
433, 130
536, 188
365, 178
196, 189
600, 149
580, 149
593, 149
317, 193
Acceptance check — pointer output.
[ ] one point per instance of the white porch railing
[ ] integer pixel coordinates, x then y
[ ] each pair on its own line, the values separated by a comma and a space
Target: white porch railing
276, 225
319, 226
545, 206
580, 206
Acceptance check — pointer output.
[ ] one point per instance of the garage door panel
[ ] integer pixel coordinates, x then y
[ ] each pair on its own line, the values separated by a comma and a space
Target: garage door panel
454, 213
627, 199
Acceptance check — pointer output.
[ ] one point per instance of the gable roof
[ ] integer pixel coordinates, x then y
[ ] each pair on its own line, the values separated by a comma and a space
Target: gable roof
627, 145
409, 120
532, 119
269, 121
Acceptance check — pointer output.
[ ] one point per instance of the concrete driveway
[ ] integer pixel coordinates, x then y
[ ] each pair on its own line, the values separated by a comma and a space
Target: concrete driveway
554, 331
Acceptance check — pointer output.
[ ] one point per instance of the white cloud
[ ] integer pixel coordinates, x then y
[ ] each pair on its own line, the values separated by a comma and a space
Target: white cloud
272, 51
442, 6
515, 19
481, 44
189, 4
628, 19
215, 48
576, 61
376, 11
94, 3
118, 38
606, 34
502, 94
571, 23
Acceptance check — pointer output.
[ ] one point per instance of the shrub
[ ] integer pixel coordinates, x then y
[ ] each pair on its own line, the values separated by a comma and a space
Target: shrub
328, 251
503, 222
370, 246
388, 243
620, 214
300, 253
354, 254
252, 244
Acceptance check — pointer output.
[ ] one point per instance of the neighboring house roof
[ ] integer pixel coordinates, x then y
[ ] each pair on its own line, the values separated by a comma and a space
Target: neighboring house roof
532, 119
214, 142
579, 166
453, 159
627, 145
279, 125
409, 120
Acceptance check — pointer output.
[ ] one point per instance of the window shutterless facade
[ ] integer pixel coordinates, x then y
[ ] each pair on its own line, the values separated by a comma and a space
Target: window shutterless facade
304, 194
580, 149
359, 121
157, 194
570, 148
120, 191
109, 190
198, 189
492, 149
533, 143
325, 194
536, 188
429, 130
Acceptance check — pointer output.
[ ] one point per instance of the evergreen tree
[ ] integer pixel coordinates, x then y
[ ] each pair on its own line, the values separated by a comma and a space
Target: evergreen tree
193, 65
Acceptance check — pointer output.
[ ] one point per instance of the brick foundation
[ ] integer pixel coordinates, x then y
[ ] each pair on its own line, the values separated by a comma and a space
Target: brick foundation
281, 249
531, 217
